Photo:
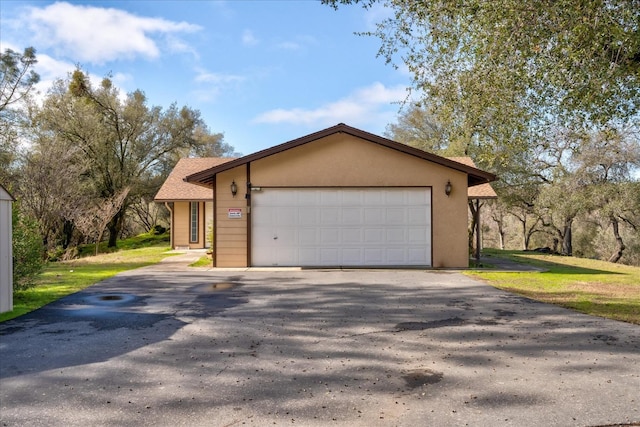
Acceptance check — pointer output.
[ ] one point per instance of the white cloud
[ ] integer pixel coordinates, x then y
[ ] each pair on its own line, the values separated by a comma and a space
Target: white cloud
288, 45
218, 78
299, 42
249, 39
212, 84
368, 105
97, 35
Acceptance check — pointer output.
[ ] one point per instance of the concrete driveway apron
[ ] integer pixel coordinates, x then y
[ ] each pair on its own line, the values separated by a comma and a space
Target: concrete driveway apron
170, 345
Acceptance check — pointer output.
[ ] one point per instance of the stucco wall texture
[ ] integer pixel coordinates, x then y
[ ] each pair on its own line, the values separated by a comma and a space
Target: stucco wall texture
342, 160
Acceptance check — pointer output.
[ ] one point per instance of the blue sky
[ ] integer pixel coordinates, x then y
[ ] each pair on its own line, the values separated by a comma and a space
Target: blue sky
262, 72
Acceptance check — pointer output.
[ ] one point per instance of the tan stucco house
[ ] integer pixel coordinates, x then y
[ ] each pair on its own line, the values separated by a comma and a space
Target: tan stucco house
6, 257
337, 197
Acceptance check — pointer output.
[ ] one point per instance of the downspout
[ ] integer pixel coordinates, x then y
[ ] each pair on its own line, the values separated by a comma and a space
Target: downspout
166, 204
214, 224
478, 238
248, 198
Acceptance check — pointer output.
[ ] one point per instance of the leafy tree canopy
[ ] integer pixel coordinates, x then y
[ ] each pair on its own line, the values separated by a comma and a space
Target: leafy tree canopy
508, 61
120, 142
17, 79
16, 75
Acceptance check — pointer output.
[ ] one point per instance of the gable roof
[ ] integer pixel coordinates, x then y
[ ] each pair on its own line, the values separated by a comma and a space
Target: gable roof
175, 188
5, 195
475, 175
482, 191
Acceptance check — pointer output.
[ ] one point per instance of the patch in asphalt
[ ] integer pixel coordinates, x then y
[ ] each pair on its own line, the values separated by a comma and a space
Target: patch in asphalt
504, 313
215, 287
421, 326
422, 377
460, 303
606, 338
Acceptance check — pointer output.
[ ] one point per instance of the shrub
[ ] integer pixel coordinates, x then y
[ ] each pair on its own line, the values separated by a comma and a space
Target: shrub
27, 250
157, 230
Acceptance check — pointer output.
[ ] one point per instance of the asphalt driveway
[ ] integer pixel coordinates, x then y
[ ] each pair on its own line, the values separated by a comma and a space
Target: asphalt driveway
172, 346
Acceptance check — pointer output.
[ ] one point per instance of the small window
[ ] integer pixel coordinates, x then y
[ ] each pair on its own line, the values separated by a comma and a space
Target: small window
193, 216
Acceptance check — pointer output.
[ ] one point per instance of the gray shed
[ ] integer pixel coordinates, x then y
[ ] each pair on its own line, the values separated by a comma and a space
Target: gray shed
6, 257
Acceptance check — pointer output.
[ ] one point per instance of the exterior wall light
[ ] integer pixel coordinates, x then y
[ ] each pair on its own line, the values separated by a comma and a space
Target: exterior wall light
234, 188
448, 188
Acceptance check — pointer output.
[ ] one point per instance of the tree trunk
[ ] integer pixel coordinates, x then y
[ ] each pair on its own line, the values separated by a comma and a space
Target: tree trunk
114, 227
567, 240
67, 234
98, 241
615, 257
526, 234
472, 230
501, 234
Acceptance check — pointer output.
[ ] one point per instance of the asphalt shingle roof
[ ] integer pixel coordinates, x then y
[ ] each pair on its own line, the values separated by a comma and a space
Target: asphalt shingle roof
175, 188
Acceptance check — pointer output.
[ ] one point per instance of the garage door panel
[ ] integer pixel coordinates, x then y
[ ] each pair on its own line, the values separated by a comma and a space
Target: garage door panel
417, 238
308, 236
288, 255
329, 236
418, 197
329, 256
308, 216
415, 255
329, 215
395, 197
341, 227
263, 235
288, 235
265, 218
395, 235
395, 216
374, 216
396, 256
308, 256
416, 216
374, 198
286, 217
373, 256
352, 236
307, 198
352, 216
330, 198
374, 235
352, 256
352, 198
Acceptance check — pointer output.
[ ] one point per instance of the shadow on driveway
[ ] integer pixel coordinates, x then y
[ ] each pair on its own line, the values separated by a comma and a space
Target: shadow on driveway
106, 320
362, 348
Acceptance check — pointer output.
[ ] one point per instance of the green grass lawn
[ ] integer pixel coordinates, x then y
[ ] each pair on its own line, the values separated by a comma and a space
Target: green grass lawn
202, 262
589, 286
63, 278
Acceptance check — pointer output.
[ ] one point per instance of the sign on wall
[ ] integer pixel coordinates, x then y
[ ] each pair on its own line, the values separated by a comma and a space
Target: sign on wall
235, 213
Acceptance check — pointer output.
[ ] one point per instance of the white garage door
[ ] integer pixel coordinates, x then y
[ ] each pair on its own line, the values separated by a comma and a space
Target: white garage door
341, 227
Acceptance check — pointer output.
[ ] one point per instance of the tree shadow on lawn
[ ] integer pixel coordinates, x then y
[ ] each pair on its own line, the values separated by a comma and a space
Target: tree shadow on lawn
533, 259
